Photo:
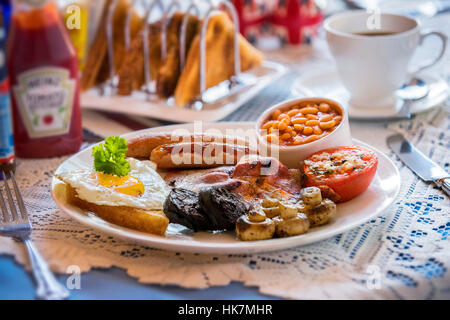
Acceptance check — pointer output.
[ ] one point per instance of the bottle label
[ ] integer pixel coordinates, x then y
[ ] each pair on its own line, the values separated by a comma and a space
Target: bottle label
6, 134
45, 99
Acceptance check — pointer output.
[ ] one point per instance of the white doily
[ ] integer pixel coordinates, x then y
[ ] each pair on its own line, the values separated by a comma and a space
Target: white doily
404, 253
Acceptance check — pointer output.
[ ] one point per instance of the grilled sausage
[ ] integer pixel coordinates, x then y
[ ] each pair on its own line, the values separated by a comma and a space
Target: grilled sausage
142, 146
197, 155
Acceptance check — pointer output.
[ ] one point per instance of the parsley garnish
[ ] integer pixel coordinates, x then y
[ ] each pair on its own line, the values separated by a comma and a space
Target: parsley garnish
110, 157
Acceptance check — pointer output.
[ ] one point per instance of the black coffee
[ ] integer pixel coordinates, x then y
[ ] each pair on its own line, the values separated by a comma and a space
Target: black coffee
373, 34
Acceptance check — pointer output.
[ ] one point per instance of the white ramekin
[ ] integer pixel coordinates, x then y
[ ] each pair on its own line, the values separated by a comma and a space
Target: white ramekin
293, 156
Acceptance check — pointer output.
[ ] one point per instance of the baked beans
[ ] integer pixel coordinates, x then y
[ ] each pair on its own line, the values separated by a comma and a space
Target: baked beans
301, 124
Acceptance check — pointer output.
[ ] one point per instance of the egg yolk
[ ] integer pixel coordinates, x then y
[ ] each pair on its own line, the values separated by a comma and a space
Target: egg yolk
126, 185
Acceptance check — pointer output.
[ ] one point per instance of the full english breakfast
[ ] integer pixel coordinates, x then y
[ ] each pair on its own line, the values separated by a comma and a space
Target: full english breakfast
214, 183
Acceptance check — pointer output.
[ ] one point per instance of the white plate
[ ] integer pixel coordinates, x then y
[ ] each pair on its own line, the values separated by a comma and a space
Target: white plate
136, 104
326, 83
381, 193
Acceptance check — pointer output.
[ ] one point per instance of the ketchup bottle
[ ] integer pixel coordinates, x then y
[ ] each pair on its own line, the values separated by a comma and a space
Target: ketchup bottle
43, 73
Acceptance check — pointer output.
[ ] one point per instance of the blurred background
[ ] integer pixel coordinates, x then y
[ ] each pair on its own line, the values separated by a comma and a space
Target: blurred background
268, 24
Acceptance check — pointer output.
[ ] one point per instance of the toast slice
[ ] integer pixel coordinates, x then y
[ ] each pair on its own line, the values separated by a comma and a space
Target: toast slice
97, 70
169, 72
149, 221
132, 73
219, 59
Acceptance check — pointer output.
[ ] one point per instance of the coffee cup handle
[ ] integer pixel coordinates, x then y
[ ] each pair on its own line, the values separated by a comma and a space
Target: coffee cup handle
443, 38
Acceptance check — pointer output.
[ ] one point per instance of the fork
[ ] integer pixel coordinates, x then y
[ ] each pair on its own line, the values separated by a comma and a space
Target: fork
18, 226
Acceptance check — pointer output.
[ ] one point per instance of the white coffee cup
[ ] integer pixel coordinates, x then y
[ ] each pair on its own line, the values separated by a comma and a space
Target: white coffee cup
372, 67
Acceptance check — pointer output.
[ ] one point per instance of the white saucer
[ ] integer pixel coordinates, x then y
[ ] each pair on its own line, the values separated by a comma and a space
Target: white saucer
327, 84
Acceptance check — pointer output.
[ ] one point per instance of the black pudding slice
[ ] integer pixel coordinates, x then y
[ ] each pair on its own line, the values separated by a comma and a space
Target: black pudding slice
222, 207
182, 207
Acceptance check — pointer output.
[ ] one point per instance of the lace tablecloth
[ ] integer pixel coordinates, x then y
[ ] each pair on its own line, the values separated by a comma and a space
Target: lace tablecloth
403, 253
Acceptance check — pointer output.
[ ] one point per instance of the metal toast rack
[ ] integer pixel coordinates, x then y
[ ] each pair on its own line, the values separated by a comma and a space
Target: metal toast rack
204, 10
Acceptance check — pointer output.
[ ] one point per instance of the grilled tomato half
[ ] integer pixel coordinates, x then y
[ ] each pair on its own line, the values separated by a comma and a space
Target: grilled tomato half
347, 170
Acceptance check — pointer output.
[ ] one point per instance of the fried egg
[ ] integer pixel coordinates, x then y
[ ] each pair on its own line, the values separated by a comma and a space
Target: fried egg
142, 188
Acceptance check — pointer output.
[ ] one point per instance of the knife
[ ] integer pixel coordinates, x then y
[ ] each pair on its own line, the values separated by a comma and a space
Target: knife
420, 164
